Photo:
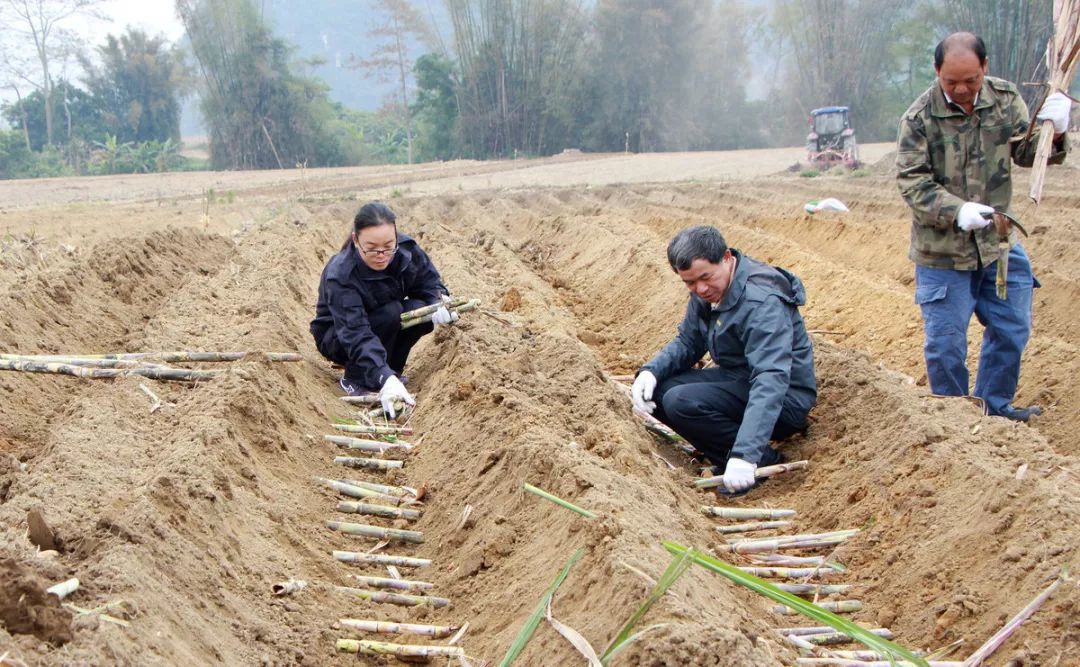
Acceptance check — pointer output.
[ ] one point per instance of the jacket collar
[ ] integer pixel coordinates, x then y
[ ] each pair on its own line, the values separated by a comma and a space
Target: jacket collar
941, 107
735, 290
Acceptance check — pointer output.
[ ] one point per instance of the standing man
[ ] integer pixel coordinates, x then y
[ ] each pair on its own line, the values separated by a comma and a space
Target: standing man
745, 314
954, 155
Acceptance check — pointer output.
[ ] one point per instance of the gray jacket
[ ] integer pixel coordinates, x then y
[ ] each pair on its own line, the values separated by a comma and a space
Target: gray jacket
756, 334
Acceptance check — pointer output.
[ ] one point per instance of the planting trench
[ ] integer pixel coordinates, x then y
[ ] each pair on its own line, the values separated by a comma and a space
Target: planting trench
189, 514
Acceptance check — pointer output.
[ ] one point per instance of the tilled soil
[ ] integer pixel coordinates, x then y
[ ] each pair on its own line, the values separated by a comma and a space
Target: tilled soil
190, 513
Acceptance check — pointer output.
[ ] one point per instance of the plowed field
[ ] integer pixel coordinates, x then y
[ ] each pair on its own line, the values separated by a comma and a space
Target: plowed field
185, 516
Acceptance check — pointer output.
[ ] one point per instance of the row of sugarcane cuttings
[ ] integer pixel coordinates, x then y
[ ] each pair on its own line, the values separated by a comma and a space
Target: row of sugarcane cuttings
389, 502
150, 365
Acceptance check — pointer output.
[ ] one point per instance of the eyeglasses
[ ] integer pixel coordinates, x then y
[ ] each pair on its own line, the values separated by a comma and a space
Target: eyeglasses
384, 252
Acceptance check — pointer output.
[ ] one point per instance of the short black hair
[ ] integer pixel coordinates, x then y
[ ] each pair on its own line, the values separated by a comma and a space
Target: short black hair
701, 242
960, 40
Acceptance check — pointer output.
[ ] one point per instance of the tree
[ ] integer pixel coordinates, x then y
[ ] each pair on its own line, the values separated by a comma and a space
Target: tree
521, 68
28, 116
137, 86
259, 112
837, 52
436, 107
643, 72
390, 58
39, 25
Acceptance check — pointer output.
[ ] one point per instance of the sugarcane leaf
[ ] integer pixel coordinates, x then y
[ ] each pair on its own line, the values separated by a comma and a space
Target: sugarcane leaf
631, 639
557, 500
675, 569
533, 622
812, 611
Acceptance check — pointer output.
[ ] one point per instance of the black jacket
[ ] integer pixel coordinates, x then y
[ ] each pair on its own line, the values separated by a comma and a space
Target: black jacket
349, 290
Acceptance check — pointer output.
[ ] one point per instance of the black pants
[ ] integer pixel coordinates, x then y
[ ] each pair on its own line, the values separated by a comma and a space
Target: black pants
706, 407
386, 325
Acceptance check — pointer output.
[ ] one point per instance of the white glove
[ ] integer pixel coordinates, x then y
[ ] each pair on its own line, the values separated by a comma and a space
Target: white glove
1056, 110
970, 216
443, 316
642, 391
392, 390
739, 475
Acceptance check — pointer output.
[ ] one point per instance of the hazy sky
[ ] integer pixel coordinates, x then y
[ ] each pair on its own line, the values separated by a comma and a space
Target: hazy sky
153, 16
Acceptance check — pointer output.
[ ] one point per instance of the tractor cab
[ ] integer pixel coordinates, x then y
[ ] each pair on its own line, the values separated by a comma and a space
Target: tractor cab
832, 139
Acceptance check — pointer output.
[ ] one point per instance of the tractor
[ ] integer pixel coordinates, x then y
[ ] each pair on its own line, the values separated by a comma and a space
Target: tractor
831, 140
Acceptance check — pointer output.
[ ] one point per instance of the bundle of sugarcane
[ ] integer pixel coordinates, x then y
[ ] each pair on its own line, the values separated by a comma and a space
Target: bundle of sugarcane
831, 637
804, 537
1062, 56
396, 491
788, 572
99, 366
381, 627
802, 631
657, 427
760, 473
422, 315
814, 589
810, 541
152, 372
368, 647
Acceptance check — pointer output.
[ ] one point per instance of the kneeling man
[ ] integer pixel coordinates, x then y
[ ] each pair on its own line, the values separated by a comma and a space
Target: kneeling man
746, 315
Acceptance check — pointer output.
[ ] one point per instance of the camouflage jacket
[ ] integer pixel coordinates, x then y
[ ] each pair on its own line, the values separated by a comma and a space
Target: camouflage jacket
944, 158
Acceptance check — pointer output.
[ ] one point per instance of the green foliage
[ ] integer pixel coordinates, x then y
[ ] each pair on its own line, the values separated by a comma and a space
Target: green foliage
260, 113
136, 88
809, 173
85, 116
435, 111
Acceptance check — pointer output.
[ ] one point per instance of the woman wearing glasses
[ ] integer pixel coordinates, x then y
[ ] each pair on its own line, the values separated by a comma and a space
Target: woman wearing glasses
378, 274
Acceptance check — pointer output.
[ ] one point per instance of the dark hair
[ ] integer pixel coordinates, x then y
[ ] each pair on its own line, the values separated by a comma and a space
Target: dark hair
702, 242
372, 214
960, 40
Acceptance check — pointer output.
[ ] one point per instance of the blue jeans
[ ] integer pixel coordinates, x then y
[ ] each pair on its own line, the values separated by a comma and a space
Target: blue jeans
948, 298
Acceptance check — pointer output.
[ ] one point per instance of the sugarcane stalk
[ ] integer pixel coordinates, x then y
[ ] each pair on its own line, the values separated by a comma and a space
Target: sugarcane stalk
370, 464
428, 310
363, 399
368, 647
814, 589
558, 501
171, 357
400, 599
803, 537
463, 308
374, 413
838, 607
78, 361
383, 628
760, 473
288, 587
777, 560
396, 584
152, 372
769, 546
380, 559
377, 510
64, 588
375, 430
752, 526
396, 491
833, 638
839, 662
355, 491
865, 655
787, 572
375, 531
747, 513
1002, 635
375, 446
826, 630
